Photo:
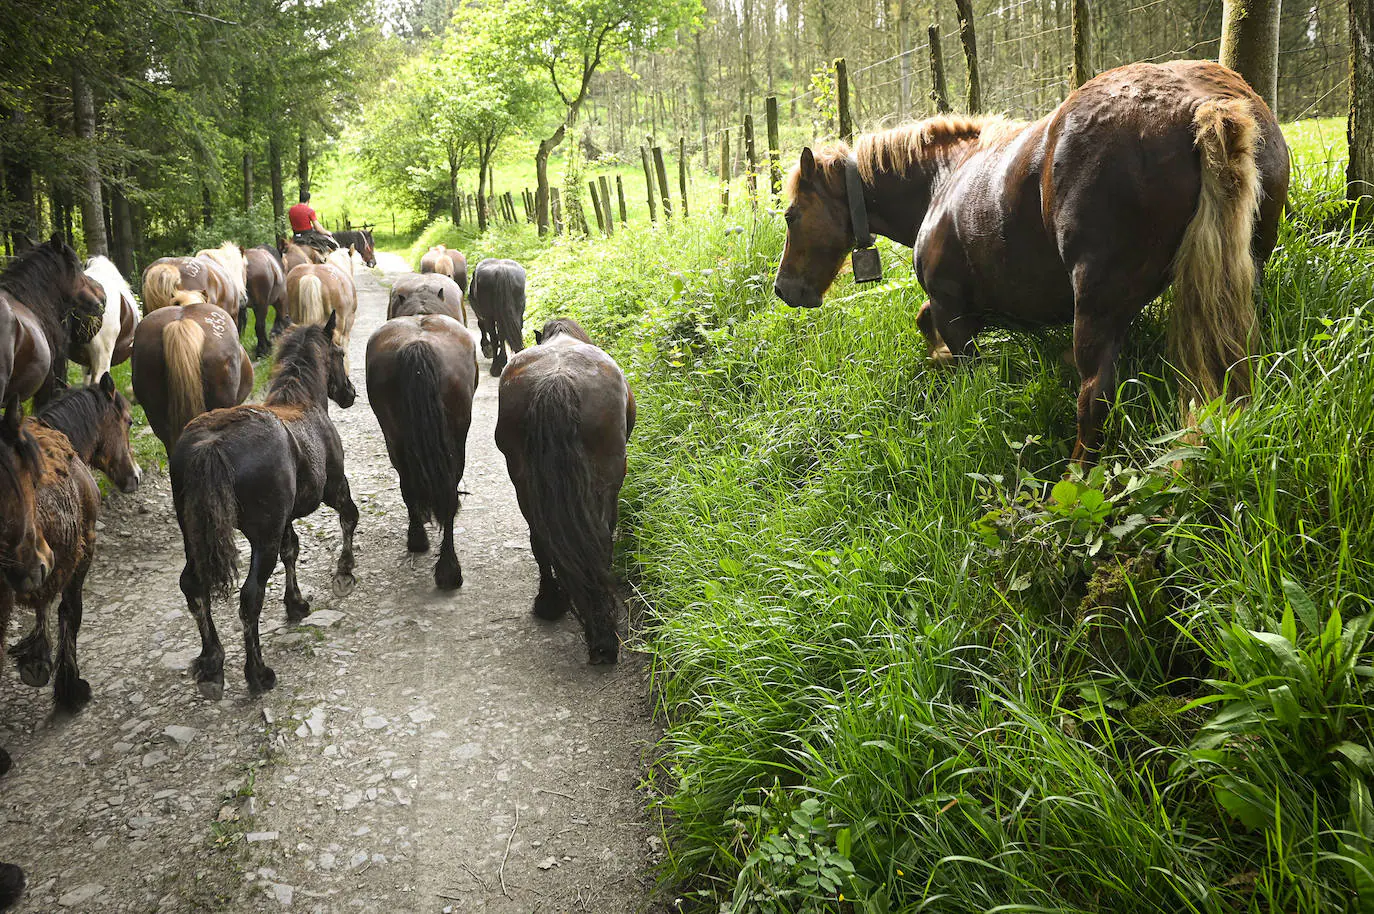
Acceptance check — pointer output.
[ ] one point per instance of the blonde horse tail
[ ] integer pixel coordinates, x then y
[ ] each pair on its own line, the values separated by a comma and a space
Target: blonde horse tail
159, 285
1213, 324
310, 301
182, 342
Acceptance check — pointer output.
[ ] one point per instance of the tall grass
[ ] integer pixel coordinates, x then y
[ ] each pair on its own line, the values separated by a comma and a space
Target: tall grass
906, 666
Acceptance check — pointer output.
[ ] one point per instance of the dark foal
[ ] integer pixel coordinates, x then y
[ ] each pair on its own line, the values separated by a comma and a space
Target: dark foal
258, 468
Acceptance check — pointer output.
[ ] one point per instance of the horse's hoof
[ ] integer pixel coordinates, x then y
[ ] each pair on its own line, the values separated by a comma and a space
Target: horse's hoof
486, 350
35, 671
942, 357
297, 612
450, 578
11, 884
211, 689
264, 681
344, 583
550, 607
417, 542
5, 763
603, 656
72, 694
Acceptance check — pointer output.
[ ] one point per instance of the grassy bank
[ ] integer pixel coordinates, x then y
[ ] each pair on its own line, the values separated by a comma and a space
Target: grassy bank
899, 675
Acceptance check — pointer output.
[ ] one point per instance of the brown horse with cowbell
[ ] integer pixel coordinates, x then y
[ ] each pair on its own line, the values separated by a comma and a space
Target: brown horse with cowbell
1146, 176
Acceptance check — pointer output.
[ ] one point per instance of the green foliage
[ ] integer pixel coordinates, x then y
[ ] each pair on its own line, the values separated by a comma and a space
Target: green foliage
871, 587
248, 229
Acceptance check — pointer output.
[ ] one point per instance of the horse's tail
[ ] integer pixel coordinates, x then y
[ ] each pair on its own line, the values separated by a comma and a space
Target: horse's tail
428, 455
310, 300
566, 510
208, 513
182, 342
1212, 327
159, 285
510, 320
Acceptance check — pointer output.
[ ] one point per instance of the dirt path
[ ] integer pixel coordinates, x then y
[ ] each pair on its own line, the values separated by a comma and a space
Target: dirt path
421, 752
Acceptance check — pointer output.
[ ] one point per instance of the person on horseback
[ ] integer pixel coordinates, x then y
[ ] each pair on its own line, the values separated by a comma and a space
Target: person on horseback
305, 223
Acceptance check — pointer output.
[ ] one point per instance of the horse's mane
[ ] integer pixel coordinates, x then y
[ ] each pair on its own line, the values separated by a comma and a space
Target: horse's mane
565, 325
893, 151
300, 376
35, 278
76, 414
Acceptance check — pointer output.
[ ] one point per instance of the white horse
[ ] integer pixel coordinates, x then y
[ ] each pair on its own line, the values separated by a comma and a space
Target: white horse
99, 352
230, 256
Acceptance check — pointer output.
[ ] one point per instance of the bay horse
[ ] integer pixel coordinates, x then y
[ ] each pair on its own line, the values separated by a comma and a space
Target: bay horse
497, 296
421, 375
47, 306
427, 293
564, 415
187, 360
257, 469
293, 255
1147, 175
166, 276
313, 291
266, 289
361, 242
94, 421
62, 502
437, 260
113, 343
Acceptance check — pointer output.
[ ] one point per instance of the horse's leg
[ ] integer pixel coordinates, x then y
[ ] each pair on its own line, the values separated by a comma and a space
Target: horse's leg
33, 653
417, 538
264, 346
551, 602
208, 668
340, 499
258, 674
1098, 335
498, 356
70, 691
296, 606
448, 574
954, 327
935, 345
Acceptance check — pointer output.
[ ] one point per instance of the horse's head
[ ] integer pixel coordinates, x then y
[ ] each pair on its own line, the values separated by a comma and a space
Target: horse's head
369, 250
564, 325
113, 456
25, 558
819, 233
340, 388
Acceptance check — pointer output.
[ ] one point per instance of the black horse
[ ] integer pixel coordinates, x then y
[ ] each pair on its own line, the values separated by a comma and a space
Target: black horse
497, 295
361, 240
258, 468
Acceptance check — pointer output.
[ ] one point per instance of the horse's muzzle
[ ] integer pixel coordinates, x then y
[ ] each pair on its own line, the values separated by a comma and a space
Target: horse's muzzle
795, 292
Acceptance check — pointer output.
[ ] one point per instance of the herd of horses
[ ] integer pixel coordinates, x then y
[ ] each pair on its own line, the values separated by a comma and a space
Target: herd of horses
1146, 177
565, 415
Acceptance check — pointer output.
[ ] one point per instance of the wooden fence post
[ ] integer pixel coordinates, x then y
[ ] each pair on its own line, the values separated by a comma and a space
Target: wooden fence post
770, 115
620, 193
682, 172
648, 183
842, 99
725, 171
1081, 29
596, 206
938, 93
556, 210
606, 204
751, 154
663, 194
969, 38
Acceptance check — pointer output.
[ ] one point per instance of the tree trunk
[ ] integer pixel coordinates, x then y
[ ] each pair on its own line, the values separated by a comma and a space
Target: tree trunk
904, 61
939, 94
969, 39
247, 181
92, 210
1082, 38
483, 152
455, 211
1250, 44
303, 164
1359, 175
278, 200
207, 209
122, 244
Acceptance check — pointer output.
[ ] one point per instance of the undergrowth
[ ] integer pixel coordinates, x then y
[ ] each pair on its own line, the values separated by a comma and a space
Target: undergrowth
909, 663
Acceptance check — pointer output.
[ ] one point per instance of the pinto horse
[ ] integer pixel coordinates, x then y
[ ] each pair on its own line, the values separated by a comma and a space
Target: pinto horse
266, 289
188, 359
313, 291
498, 300
257, 469
230, 257
421, 375
94, 422
47, 306
361, 241
427, 293
564, 415
113, 343
1147, 175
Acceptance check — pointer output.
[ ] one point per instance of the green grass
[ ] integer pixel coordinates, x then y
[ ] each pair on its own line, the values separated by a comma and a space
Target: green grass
899, 675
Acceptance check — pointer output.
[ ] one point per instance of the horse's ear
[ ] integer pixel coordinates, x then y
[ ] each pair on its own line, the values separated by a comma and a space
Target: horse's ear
107, 385
808, 162
538, 337
329, 324
57, 240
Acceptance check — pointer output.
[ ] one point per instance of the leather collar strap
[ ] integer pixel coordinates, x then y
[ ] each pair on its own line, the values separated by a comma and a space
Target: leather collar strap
865, 263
